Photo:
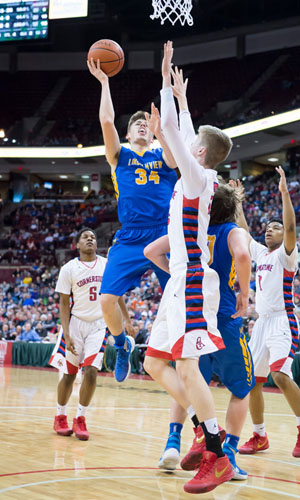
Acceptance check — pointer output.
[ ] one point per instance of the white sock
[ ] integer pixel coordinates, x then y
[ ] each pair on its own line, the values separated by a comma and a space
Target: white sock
190, 411
212, 425
259, 429
81, 410
298, 421
61, 410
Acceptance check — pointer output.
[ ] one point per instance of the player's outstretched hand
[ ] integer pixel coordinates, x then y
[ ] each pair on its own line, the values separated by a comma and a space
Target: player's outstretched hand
241, 305
153, 120
96, 70
238, 185
167, 60
129, 328
179, 84
282, 182
70, 345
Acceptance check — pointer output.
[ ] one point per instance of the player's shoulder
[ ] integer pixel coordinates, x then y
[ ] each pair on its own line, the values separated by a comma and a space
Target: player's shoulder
102, 260
71, 264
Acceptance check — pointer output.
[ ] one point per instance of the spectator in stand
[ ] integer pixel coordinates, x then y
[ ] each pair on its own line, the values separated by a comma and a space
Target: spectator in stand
40, 330
29, 335
49, 323
4, 331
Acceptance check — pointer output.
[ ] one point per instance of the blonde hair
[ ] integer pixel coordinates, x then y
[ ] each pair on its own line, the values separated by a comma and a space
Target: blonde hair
217, 143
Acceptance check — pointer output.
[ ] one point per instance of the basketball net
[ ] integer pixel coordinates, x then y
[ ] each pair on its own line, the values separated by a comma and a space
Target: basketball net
173, 10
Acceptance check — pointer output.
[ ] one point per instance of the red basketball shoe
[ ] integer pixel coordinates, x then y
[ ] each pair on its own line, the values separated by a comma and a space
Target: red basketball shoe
61, 426
79, 427
296, 450
213, 471
193, 458
256, 443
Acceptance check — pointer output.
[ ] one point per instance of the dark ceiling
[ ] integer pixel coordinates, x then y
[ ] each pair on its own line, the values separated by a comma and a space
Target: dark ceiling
128, 22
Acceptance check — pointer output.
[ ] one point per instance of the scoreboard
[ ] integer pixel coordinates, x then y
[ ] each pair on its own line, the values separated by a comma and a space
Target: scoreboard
23, 20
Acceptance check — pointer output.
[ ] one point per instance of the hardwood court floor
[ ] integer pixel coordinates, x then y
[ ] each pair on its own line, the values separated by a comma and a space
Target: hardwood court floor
128, 425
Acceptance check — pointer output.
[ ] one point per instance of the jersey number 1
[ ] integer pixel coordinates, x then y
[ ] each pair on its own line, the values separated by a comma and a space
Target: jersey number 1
93, 293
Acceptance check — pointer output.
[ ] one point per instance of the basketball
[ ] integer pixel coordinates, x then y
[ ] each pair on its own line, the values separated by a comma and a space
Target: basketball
111, 56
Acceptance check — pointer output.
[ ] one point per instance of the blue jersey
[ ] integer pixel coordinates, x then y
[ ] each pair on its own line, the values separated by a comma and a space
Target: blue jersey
223, 263
143, 185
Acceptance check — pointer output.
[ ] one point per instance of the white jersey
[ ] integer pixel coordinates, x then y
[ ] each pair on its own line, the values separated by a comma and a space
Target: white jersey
193, 192
275, 272
83, 281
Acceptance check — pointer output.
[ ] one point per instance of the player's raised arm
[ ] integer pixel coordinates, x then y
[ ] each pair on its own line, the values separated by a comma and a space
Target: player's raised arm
154, 125
179, 88
241, 219
106, 115
169, 123
156, 252
288, 214
238, 243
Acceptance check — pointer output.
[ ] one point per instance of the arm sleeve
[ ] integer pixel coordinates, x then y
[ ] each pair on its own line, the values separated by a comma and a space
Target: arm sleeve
186, 128
64, 284
193, 174
289, 262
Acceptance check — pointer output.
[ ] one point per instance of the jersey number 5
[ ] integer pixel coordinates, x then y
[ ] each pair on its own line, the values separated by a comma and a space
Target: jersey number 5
93, 293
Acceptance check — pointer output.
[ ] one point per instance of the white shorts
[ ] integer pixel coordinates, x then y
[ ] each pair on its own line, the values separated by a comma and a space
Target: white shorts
186, 323
89, 339
273, 343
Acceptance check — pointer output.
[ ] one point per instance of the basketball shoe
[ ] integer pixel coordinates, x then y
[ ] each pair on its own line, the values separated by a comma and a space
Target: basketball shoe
61, 426
123, 366
256, 443
79, 427
296, 450
212, 472
239, 473
170, 459
192, 459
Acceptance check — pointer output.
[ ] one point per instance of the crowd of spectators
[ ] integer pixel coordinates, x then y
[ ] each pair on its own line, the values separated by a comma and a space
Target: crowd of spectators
37, 230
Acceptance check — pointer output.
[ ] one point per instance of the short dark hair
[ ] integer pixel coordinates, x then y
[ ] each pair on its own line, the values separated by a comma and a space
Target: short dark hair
274, 219
78, 235
224, 206
139, 115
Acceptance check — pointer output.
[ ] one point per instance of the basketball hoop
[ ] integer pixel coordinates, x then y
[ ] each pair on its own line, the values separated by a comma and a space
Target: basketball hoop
173, 10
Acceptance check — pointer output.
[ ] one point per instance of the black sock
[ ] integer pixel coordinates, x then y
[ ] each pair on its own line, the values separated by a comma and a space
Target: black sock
213, 441
195, 420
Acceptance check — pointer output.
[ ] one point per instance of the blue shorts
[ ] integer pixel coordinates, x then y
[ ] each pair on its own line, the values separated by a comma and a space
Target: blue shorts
233, 365
126, 261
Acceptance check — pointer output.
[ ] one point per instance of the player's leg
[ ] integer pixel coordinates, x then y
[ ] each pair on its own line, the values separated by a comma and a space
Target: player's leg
94, 336
167, 377
234, 366
215, 467
171, 454
260, 354
235, 419
192, 459
282, 352
126, 264
64, 391
65, 385
193, 332
291, 392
